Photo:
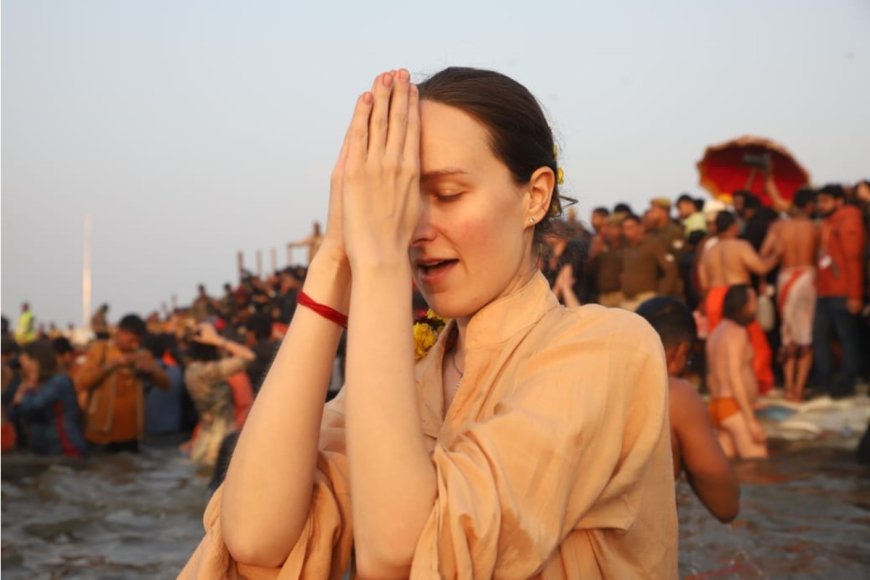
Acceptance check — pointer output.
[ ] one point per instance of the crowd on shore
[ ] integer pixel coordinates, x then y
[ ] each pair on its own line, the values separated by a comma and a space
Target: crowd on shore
770, 294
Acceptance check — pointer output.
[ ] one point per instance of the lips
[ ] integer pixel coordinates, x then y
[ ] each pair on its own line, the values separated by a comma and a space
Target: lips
434, 270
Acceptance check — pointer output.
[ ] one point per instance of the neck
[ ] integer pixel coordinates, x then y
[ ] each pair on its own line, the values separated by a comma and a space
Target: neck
462, 322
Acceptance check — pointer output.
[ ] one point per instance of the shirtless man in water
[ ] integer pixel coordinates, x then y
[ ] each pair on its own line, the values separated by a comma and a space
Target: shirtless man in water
693, 440
732, 383
726, 261
796, 241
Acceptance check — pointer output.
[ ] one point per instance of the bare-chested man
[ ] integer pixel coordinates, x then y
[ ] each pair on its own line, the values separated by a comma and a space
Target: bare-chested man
693, 441
796, 241
732, 383
726, 261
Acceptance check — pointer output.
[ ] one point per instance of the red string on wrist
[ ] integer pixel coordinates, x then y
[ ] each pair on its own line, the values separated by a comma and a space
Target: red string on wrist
322, 309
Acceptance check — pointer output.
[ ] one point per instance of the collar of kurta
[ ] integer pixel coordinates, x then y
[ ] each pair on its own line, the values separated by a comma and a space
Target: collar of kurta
493, 325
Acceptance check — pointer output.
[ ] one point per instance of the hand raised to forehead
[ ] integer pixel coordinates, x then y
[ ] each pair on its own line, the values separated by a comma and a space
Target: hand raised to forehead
380, 190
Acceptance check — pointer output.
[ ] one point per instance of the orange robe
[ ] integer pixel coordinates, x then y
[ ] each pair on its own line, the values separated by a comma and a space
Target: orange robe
553, 460
763, 359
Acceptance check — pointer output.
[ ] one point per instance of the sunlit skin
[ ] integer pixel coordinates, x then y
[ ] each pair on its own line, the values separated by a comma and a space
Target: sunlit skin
469, 201
414, 184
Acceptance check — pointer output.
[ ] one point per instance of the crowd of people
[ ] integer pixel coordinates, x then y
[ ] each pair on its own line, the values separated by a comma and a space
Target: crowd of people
774, 294
728, 285
190, 374
526, 439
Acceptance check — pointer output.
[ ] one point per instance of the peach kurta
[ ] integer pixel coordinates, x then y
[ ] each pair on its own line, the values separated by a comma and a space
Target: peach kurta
553, 460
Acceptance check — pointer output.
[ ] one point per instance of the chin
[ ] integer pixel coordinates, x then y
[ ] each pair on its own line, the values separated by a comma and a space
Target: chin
444, 307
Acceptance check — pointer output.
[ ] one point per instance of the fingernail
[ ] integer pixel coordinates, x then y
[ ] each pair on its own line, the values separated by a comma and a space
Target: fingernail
367, 98
388, 79
404, 75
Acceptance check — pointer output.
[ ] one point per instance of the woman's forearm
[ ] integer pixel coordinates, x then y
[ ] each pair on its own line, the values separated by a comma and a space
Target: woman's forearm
267, 492
391, 474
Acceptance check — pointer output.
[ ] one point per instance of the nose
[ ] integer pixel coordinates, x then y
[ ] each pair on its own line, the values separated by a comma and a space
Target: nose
425, 230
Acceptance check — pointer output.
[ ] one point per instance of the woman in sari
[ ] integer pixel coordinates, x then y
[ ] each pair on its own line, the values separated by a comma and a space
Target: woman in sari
531, 440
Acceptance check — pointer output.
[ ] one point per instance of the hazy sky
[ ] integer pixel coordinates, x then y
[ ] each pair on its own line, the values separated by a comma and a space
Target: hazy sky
193, 129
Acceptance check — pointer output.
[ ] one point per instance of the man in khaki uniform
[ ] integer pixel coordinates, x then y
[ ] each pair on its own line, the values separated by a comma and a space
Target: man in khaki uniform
669, 233
647, 268
605, 264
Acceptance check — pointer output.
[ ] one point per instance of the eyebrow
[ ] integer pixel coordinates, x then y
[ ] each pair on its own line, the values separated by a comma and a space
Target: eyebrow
442, 173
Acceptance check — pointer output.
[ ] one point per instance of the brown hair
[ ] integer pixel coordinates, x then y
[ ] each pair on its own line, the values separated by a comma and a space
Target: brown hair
45, 356
519, 133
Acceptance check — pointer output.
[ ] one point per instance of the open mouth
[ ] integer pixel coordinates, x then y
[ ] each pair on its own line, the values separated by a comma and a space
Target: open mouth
435, 266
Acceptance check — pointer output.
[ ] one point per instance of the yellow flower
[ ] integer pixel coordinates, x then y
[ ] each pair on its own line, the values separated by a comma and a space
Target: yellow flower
430, 314
424, 339
555, 151
560, 176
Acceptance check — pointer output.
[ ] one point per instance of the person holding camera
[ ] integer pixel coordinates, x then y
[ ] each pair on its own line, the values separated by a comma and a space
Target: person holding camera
112, 380
206, 377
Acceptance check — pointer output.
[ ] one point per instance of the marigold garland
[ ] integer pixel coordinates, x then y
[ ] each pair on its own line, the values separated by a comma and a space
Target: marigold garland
426, 331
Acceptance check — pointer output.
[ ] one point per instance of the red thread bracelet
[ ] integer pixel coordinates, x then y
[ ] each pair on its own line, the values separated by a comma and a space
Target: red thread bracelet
321, 309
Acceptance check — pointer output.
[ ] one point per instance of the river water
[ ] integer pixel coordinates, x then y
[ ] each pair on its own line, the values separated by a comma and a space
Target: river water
805, 513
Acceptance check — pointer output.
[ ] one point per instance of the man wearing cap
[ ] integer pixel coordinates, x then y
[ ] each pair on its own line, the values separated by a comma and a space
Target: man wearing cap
647, 267
605, 264
662, 228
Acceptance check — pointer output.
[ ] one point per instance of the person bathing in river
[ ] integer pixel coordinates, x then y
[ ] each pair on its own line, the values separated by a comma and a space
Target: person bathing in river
532, 440
727, 261
46, 404
796, 241
733, 387
111, 384
693, 439
207, 379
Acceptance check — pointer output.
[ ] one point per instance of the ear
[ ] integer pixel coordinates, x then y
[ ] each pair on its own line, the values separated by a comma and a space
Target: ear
537, 197
680, 358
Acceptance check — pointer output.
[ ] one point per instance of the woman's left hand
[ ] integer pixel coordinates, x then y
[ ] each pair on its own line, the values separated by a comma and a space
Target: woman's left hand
381, 190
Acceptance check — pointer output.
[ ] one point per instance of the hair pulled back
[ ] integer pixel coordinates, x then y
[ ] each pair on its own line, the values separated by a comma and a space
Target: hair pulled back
45, 356
520, 135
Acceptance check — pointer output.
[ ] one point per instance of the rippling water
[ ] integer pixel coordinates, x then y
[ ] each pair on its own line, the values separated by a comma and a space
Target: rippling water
122, 516
805, 513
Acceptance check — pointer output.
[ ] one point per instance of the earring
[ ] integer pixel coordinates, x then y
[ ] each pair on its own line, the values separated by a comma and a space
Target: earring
531, 220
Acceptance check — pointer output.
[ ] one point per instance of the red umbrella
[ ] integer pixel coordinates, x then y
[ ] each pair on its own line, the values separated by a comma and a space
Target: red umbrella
742, 164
